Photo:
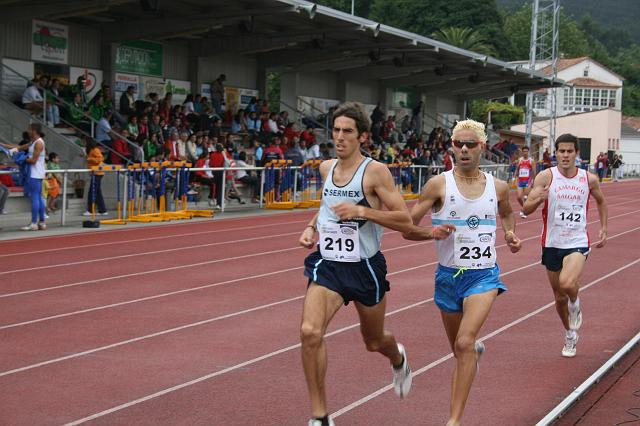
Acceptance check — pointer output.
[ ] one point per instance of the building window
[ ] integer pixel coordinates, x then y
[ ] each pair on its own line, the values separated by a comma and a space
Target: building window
539, 101
586, 72
612, 98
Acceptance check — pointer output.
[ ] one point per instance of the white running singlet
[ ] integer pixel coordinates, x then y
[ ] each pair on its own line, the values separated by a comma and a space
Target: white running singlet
564, 215
473, 244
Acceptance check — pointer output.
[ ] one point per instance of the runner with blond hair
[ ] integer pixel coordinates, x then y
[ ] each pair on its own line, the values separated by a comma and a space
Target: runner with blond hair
464, 204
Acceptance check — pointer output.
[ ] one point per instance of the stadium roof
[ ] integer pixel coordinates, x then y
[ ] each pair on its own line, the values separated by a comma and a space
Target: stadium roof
295, 35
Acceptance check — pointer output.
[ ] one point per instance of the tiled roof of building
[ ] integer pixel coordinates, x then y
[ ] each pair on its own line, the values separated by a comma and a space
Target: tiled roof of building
565, 63
590, 82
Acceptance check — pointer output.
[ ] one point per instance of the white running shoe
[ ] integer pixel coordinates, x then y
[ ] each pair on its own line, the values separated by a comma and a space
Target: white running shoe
30, 227
103, 214
479, 351
575, 318
522, 215
87, 213
42, 226
316, 422
402, 376
569, 349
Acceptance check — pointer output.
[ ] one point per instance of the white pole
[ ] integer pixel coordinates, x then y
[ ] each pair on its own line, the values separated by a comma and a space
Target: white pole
353, 7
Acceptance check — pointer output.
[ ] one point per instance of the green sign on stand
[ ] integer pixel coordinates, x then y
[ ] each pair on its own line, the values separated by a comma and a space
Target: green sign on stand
139, 57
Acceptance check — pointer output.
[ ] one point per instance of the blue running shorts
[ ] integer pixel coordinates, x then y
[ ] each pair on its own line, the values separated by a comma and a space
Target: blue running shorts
454, 285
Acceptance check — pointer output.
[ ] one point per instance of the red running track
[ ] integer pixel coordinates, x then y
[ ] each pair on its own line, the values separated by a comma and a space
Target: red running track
197, 323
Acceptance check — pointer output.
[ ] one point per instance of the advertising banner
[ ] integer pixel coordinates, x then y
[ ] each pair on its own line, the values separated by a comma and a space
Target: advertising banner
49, 42
236, 98
153, 85
179, 88
122, 81
139, 57
92, 79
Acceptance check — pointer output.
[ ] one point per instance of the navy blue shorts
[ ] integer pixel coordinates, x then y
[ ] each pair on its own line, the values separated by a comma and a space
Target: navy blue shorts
523, 183
454, 285
364, 281
552, 257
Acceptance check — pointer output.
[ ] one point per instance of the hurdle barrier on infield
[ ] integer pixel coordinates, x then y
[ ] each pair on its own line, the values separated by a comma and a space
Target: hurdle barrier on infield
402, 179
279, 185
310, 184
148, 202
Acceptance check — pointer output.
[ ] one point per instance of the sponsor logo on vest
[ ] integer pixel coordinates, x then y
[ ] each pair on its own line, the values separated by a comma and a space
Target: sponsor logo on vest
473, 222
341, 193
453, 213
485, 238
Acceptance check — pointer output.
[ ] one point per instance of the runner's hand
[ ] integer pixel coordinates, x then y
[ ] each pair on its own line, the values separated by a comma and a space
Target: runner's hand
347, 211
442, 232
603, 238
308, 237
513, 242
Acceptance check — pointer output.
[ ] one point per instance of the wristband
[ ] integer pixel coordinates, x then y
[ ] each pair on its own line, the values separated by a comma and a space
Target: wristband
509, 232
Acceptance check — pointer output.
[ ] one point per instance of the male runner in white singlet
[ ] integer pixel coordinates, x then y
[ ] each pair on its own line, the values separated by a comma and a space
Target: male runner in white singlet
565, 191
525, 174
348, 265
464, 203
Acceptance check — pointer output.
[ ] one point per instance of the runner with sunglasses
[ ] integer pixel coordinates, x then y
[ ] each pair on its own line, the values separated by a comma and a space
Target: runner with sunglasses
565, 191
464, 204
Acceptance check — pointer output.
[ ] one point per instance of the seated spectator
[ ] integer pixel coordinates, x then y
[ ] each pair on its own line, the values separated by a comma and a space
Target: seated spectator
290, 133
121, 152
205, 177
132, 127
53, 104
273, 125
272, 152
308, 136
248, 178
295, 154
32, 97
103, 129
239, 123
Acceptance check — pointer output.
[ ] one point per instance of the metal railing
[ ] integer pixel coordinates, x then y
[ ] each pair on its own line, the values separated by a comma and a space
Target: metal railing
10, 81
421, 174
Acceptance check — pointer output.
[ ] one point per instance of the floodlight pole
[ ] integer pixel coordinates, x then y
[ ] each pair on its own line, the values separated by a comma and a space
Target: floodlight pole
353, 7
544, 47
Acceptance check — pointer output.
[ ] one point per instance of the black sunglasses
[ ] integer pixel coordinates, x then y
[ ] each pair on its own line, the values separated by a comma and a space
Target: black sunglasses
469, 144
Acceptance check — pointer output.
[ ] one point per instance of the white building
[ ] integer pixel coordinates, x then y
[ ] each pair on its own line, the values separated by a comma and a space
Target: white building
630, 141
590, 86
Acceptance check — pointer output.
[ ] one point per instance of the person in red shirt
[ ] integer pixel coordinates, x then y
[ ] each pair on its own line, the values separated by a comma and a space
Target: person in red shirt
525, 173
204, 178
216, 159
448, 161
121, 153
308, 136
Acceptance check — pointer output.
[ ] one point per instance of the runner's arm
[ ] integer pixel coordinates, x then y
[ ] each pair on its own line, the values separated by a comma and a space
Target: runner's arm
603, 211
396, 217
308, 237
431, 194
507, 218
539, 193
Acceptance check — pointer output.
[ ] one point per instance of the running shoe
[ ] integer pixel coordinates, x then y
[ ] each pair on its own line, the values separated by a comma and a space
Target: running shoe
479, 351
42, 226
402, 376
569, 349
87, 213
575, 318
31, 227
316, 422
522, 215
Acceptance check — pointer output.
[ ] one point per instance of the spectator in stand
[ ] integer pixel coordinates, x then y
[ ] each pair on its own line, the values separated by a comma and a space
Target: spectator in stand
121, 152
191, 148
272, 124
248, 178
290, 133
150, 146
308, 136
448, 160
616, 167
103, 129
188, 105
132, 127
94, 159
197, 103
75, 114
295, 154
32, 96
217, 94
97, 108
312, 152
253, 125
205, 177
239, 123
165, 107
155, 128
258, 152
53, 104
217, 159
216, 128
253, 106
272, 151
143, 126
283, 120
127, 102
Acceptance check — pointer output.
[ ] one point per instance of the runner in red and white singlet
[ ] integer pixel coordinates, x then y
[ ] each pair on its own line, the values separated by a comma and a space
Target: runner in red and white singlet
565, 192
525, 174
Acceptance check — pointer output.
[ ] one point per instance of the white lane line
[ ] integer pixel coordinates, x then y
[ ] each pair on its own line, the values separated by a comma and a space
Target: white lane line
172, 293
153, 238
130, 255
134, 274
494, 333
180, 328
341, 330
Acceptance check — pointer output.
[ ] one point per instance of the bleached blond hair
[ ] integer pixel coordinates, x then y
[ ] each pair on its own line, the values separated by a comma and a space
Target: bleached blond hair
475, 126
